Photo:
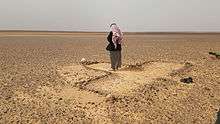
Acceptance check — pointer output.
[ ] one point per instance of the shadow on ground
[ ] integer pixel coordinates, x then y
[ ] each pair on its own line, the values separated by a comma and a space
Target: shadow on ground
218, 118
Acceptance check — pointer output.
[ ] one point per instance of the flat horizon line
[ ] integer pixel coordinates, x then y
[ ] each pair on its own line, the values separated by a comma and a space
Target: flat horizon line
101, 32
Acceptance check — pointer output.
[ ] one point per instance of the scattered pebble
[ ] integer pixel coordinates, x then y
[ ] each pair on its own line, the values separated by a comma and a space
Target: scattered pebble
187, 80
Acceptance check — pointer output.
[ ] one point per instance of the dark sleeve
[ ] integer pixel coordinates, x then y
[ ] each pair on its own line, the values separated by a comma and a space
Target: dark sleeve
109, 38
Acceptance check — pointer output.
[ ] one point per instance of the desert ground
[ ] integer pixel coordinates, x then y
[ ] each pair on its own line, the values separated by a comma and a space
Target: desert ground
43, 81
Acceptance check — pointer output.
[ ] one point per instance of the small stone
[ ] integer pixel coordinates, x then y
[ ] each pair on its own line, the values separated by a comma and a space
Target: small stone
187, 80
108, 96
207, 88
83, 61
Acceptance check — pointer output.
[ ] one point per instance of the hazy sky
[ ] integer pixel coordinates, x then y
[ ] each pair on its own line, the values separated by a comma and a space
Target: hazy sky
96, 15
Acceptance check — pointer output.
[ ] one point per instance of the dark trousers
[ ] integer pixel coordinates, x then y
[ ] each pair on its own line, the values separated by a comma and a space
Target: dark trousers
115, 57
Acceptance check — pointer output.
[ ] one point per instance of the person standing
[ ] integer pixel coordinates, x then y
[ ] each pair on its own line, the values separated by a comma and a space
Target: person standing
114, 38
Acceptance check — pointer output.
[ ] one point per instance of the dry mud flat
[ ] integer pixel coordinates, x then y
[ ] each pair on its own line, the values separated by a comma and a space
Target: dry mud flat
133, 87
102, 88
42, 82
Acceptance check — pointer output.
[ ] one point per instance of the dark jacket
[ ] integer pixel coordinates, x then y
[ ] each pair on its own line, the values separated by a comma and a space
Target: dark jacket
111, 46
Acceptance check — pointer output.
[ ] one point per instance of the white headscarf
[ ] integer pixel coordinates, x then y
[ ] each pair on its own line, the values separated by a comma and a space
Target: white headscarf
117, 34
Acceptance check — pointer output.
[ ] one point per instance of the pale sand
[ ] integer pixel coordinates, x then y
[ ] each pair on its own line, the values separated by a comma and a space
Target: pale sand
42, 81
